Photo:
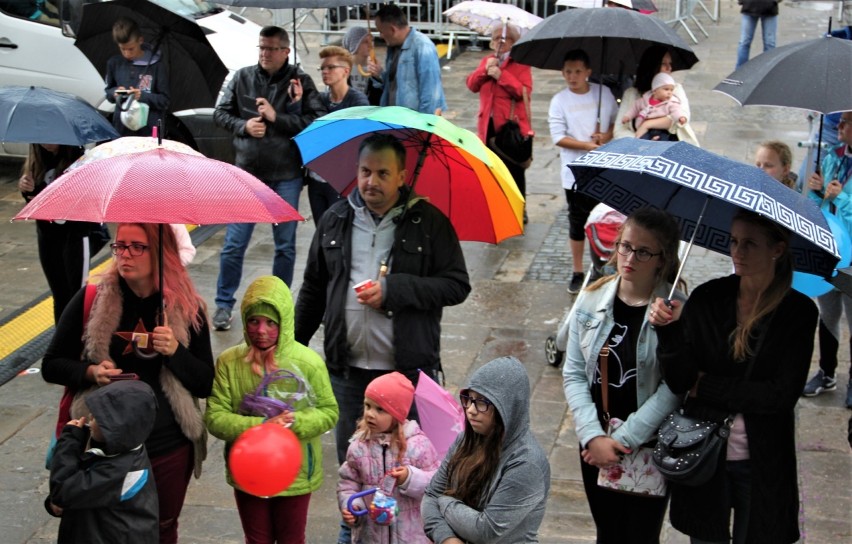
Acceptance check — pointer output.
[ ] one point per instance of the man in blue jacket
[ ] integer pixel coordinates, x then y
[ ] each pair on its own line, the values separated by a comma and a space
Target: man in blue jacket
412, 75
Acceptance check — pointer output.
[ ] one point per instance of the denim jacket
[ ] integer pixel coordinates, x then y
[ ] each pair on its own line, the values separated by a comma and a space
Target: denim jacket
418, 76
590, 323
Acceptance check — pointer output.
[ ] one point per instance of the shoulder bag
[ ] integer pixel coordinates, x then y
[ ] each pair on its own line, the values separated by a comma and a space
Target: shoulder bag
634, 474
689, 448
509, 144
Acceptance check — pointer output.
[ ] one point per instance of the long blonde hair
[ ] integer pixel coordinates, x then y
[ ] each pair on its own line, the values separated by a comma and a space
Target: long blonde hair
771, 297
785, 156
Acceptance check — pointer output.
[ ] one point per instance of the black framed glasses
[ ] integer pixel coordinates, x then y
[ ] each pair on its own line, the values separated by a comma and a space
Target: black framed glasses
135, 249
482, 404
642, 255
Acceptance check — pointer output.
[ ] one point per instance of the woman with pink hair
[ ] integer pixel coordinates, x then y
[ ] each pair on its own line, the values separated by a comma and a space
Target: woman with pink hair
125, 338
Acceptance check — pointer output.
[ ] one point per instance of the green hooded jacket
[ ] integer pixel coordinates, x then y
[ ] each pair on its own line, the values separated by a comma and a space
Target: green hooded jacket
234, 378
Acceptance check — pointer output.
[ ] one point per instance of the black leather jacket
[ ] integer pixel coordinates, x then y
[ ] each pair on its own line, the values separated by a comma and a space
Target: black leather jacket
274, 157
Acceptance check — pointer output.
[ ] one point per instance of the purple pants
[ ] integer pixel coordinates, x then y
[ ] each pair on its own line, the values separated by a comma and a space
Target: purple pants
280, 520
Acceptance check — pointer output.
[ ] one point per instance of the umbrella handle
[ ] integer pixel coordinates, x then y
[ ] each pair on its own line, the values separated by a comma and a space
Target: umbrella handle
686, 253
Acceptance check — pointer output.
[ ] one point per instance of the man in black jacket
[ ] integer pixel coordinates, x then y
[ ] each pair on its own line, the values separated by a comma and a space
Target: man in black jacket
264, 106
409, 252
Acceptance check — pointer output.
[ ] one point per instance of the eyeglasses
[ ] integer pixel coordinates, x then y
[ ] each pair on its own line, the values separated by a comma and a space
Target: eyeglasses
482, 404
330, 67
266, 49
135, 249
641, 255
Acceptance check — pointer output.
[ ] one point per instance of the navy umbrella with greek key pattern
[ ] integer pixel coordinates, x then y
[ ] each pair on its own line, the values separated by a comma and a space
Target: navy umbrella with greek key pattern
704, 191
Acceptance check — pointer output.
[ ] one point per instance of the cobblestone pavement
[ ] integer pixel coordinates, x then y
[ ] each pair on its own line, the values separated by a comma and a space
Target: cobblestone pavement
517, 300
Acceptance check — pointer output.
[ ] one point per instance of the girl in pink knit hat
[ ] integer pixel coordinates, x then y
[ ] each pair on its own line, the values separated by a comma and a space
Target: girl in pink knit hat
388, 452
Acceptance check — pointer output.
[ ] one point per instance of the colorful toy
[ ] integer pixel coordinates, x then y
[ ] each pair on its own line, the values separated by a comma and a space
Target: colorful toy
265, 459
383, 510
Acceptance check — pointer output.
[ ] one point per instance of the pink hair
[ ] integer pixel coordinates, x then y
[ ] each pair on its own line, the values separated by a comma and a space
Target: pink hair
260, 358
179, 292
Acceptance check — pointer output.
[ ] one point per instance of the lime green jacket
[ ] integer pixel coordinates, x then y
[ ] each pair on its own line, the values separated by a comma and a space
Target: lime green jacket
234, 378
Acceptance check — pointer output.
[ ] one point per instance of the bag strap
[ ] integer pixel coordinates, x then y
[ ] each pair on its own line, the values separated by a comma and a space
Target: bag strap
604, 366
526, 98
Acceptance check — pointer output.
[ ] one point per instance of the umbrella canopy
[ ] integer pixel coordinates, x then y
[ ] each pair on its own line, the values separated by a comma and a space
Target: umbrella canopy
159, 186
843, 280
196, 72
614, 39
440, 414
680, 178
459, 175
128, 145
483, 17
291, 4
37, 115
814, 75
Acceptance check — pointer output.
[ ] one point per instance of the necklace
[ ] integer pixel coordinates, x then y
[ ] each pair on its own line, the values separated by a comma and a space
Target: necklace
635, 304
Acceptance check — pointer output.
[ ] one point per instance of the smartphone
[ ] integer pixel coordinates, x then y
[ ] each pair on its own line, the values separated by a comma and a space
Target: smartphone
124, 376
358, 287
123, 91
387, 485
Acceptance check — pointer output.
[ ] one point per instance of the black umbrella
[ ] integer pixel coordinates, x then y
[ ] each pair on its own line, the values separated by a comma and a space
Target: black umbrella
195, 71
614, 39
39, 115
843, 280
292, 4
814, 75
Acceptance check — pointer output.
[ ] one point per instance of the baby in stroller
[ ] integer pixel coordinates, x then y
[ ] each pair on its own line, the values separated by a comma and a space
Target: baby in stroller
601, 231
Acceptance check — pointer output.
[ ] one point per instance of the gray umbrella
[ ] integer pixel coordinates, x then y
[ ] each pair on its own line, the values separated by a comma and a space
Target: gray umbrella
814, 75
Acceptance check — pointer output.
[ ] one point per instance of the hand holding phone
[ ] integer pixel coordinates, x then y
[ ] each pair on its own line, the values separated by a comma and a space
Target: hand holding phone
361, 286
124, 376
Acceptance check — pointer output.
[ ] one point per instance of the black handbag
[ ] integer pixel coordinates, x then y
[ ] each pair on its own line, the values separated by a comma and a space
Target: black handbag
509, 143
688, 448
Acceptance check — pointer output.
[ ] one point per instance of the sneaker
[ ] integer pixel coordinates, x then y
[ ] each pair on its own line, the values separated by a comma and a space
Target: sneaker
222, 319
576, 283
820, 383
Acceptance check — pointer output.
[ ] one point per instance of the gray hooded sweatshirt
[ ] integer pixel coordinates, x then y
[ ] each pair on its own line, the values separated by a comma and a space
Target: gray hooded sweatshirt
513, 507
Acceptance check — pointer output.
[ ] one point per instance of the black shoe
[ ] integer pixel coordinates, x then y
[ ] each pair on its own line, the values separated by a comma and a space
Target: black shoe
576, 283
222, 319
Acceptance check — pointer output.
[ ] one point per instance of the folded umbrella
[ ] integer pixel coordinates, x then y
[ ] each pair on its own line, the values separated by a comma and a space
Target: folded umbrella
483, 17
704, 191
37, 115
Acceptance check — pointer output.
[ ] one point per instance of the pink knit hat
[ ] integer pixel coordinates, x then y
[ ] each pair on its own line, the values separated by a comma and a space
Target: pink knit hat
394, 393
661, 79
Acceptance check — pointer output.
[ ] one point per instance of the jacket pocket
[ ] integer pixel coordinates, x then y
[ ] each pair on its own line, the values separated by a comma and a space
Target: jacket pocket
310, 463
588, 328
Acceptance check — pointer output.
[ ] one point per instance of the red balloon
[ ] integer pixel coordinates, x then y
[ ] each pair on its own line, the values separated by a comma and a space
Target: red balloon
265, 459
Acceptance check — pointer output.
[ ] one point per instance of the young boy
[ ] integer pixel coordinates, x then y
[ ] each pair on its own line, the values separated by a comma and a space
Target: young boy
576, 128
658, 102
101, 483
137, 72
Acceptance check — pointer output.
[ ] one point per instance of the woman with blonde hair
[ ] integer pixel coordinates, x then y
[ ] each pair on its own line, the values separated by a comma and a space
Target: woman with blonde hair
613, 313
126, 338
740, 350
775, 158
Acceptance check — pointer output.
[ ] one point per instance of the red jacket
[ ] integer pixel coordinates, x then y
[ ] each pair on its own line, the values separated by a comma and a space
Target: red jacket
495, 97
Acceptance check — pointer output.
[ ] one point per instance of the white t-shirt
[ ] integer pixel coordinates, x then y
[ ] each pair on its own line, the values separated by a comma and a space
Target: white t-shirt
575, 115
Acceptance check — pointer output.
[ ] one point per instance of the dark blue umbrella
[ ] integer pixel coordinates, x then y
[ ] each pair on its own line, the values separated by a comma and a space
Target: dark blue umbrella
37, 115
704, 191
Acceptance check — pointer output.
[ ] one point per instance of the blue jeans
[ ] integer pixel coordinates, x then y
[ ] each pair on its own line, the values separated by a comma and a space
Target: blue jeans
769, 25
739, 497
237, 238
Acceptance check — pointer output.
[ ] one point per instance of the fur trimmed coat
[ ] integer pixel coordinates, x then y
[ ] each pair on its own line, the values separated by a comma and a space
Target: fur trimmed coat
178, 381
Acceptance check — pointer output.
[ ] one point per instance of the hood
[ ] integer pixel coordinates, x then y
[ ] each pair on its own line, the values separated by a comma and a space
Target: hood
273, 291
505, 383
148, 56
125, 412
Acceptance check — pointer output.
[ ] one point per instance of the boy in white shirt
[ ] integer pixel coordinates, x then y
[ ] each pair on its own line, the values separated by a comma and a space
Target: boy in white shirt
576, 128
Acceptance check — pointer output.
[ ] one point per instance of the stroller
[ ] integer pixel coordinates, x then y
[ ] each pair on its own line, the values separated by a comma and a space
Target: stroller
601, 232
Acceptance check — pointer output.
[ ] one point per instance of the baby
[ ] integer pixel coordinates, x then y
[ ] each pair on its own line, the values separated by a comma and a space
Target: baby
654, 104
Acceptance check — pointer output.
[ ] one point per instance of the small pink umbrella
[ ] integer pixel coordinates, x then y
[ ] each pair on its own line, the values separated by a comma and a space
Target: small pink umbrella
441, 416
